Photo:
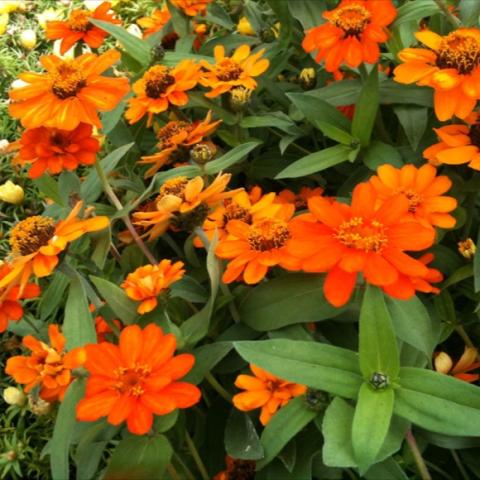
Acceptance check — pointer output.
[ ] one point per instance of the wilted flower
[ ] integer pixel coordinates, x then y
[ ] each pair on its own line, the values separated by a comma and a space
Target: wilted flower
467, 248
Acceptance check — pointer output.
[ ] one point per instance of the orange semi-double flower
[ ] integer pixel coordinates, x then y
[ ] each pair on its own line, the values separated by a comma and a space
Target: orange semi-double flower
351, 34
450, 65
146, 283
48, 366
136, 379
69, 93
192, 7
155, 22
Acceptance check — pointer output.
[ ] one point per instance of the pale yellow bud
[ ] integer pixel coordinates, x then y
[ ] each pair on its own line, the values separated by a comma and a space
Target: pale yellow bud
11, 193
3, 23
134, 30
4, 146
28, 39
38, 406
14, 396
443, 363
244, 27
48, 15
308, 78
467, 248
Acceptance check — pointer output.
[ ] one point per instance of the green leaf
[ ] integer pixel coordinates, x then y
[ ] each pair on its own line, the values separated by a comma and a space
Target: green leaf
63, 431
49, 187
283, 426
163, 423
307, 12
116, 299
366, 108
413, 120
241, 438
230, 158
274, 119
388, 469
68, 185
181, 23
469, 12
393, 92
218, 15
136, 48
316, 365
438, 403
379, 153
339, 94
278, 303
378, 349
371, 423
139, 458
78, 326
52, 296
198, 99
101, 247
316, 162
476, 266
415, 10
283, 15
337, 134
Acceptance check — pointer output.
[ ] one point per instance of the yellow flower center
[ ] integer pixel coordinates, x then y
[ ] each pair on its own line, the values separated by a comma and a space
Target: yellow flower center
67, 80
360, 234
157, 80
78, 21
459, 51
131, 380
174, 186
414, 198
228, 70
233, 211
268, 234
30, 234
352, 19
171, 129
474, 134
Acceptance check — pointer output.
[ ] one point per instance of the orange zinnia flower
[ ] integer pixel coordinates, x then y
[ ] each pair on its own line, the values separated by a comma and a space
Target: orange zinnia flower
135, 379
450, 65
79, 28
344, 240
466, 363
422, 188
253, 249
146, 283
10, 307
175, 140
69, 93
192, 7
155, 22
47, 366
159, 87
37, 241
264, 391
52, 150
183, 204
458, 144
235, 71
351, 34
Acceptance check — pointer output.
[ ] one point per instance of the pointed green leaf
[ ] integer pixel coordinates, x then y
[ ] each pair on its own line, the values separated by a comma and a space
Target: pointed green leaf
230, 158
241, 438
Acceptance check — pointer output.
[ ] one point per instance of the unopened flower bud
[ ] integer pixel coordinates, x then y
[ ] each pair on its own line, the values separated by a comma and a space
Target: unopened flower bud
443, 363
467, 248
202, 153
158, 53
134, 30
240, 98
28, 39
244, 27
14, 396
11, 193
4, 146
379, 381
317, 400
38, 406
308, 78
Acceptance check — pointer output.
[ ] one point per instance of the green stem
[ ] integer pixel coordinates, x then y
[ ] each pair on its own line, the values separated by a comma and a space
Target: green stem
126, 219
217, 387
293, 144
187, 471
172, 472
450, 16
196, 457
460, 467
417, 456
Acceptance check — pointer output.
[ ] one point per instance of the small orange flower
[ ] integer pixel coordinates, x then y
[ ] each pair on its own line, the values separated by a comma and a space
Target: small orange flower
466, 363
135, 379
422, 188
183, 204
253, 249
300, 199
155, 22
47, 366
69, 93
235, 71
52, 150
459, 144
450, 65
10, 307
37, 241
264, 391
79, 28
102, 328
159, 87
175, 139
237, 469
192, 7
146, 283
344, 240
351, 34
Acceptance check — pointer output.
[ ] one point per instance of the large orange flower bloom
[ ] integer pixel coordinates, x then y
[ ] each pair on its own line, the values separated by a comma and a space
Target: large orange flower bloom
69, 93
155, 22
458, 144
159, 87
52, 150
422, 188
192, 7
235, 71
79, 28
264, 391
450, 65
37, 241
344, 240
10, 307
146, 283
351, 34
175, 140
253, 249
135, 379
461, 370
48, 366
